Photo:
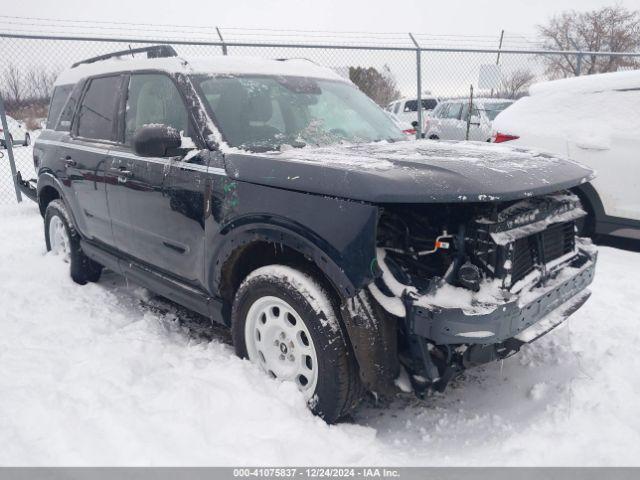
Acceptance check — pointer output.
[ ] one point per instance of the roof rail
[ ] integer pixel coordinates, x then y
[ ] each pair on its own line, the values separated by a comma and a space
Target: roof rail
155, 51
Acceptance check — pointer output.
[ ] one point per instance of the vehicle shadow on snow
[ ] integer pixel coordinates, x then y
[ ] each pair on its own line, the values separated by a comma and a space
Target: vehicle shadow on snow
493, 403
194, 325
498, 399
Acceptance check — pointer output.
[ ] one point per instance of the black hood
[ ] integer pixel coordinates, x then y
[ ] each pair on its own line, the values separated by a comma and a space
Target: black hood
411, 172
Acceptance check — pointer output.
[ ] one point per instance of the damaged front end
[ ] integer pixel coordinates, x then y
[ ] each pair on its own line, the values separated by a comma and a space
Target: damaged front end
472, 283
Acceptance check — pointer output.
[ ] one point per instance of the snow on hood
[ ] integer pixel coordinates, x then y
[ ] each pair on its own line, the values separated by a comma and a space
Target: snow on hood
411, 171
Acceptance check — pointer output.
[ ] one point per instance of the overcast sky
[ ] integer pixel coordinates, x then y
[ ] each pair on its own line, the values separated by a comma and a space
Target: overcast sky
479, 17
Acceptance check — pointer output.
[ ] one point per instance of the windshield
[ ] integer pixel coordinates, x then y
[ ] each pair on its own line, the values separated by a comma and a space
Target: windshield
261, 113
491, 110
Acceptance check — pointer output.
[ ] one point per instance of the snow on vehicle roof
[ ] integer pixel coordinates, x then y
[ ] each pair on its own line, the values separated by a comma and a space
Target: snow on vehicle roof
588, 111
296, 67
493, 100
478, 100
590, 83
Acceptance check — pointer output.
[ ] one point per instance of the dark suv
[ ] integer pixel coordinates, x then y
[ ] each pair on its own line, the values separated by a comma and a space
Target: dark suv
275, 198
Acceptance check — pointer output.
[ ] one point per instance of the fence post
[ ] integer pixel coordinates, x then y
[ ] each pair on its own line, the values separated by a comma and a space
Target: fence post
419, 85
224, 45
498, 57
579, 64
466, 136
9, 145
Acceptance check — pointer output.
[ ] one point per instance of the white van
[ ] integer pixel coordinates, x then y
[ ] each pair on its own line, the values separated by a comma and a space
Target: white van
594, 120
406, 109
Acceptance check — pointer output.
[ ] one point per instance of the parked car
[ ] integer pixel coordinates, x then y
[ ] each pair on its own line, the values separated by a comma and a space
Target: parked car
17, 131
277, 199
407, 128
449, 119
593, 120
406, 109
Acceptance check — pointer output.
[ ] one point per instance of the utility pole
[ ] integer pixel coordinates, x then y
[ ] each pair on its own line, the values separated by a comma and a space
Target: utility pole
499, 51
224, 46
466, 137
418, 86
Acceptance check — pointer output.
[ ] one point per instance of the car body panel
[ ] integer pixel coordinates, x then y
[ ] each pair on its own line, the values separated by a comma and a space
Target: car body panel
592, 121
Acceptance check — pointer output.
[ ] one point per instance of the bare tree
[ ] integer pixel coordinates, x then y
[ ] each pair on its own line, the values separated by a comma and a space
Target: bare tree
381, 87
13, 85
609, 29
516, 83
39, 83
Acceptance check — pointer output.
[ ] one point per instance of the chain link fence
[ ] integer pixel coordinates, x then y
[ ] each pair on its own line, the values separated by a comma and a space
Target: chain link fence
386, 66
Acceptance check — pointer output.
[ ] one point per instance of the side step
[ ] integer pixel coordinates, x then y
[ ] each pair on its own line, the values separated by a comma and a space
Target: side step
27, 187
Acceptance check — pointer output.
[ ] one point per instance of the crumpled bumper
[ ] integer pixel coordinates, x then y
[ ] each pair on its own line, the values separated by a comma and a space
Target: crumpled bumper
563, 294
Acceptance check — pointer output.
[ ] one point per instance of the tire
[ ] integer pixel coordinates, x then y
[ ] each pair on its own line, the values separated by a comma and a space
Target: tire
27, 140
434, 137
278, 305
62, 238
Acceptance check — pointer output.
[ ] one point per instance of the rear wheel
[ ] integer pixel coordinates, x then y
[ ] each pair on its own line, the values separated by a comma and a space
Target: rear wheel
284, 321
27, 139
62, 240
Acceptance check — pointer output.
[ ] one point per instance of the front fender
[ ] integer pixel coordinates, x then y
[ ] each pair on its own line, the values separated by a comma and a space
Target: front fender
339, 235
326, 259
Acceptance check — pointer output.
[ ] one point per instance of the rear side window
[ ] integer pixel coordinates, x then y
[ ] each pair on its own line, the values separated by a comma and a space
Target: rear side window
411, 106
429, 103
58, 99
442, 111
96, 115
455, 109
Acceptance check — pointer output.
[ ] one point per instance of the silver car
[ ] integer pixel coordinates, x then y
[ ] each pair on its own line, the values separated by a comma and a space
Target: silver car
17, 131
450, 117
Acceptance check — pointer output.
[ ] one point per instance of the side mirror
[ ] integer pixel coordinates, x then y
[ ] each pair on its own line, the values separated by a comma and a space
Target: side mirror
156, 141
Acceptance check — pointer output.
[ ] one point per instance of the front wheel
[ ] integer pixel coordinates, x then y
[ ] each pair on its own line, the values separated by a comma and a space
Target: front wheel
62, 240
27, 139
284, 321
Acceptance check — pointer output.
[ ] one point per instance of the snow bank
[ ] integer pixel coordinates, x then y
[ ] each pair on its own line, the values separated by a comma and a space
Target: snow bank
588, 111
108, 374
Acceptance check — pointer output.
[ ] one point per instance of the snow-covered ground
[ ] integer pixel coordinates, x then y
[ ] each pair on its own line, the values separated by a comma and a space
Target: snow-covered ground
23, 157
107, 374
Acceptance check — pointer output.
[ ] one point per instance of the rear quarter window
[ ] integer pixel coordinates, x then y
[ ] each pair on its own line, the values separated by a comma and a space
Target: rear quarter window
63, 124
58, 99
